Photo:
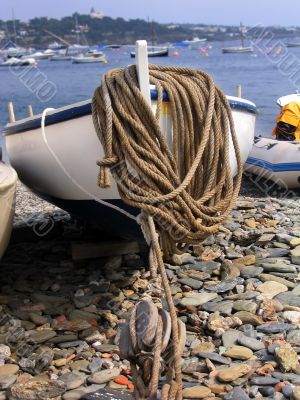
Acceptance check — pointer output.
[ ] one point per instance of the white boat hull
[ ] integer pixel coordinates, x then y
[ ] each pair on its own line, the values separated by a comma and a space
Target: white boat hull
8, 182
276, 161
63, 170
229, 50
196, 43
88, 60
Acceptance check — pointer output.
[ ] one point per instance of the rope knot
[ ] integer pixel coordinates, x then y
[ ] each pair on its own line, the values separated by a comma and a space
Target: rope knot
105, 165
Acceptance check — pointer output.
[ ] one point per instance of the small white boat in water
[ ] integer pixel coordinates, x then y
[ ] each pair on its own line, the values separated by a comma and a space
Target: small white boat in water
277, 160
196, 43
8, 182
37, 56
63, 171
292, 44
18, 62
238, 49
154, 51
89, 59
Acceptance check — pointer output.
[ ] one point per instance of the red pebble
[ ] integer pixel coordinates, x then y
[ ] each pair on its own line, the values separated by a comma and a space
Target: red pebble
122, 380
61, 318
279, 386
265, 370
93, 322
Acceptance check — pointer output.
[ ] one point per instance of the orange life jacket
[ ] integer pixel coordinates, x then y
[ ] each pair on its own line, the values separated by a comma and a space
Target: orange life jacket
290, 114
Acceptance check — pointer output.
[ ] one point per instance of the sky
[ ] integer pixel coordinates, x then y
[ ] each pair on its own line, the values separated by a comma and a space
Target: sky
227, 12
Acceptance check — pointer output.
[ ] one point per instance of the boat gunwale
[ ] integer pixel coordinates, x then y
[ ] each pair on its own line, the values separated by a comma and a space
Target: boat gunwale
83, 108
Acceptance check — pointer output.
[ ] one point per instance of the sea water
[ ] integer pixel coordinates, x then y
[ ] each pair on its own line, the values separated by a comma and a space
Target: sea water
59, 83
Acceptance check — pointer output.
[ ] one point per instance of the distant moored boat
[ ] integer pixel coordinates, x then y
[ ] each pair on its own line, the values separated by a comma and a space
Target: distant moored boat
240, 49
17, 62
84, 59
196, 43
292, 44
155, 52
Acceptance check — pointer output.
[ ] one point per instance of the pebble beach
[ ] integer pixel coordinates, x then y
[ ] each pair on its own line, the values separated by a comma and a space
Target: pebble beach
238, 293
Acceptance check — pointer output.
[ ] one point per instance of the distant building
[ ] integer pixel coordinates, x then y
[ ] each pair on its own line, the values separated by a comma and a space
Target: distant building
96, 14
2, 35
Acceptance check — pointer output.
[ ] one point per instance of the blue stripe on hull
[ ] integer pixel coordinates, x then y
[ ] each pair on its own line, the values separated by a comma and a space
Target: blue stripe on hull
281, 167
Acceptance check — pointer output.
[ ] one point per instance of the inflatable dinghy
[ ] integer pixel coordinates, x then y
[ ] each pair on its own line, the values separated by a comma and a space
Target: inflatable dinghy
278, 161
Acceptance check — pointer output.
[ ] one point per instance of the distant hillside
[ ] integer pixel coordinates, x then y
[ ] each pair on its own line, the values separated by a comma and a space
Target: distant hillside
87, 30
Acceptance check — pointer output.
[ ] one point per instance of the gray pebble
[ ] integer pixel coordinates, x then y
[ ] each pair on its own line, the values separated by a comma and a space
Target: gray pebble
264, 381
251, 343
214, 357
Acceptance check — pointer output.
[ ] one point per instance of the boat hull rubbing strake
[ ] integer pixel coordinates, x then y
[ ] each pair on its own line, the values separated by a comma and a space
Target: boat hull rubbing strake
277, 161
58, 161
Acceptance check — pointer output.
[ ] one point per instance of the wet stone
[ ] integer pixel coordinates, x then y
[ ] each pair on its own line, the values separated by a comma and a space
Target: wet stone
233, 373
287, 358
223, 286
251, 343
274, 328
224, 307
7, 380
289, 299
278, 267
108, 394
8, 369
251, 272
291, 377
266, 391
245, 305
214, 357
4, 352
73, 380
196, 299
230, 337
264, 381
104, 376
237, 394
37, 389
239, 353
287, 391
42, 336
206, 266
193, 283
294, 336
273, 347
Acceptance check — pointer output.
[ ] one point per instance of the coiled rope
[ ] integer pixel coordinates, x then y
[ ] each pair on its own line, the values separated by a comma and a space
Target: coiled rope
184, 192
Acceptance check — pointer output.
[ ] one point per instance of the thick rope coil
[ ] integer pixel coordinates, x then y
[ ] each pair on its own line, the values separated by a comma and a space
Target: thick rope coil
185, 192
188, 189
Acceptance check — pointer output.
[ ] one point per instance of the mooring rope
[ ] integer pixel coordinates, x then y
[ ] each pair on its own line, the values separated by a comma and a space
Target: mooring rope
184, 192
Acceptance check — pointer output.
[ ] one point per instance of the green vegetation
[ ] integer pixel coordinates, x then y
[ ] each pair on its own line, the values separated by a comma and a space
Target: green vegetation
86, 30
